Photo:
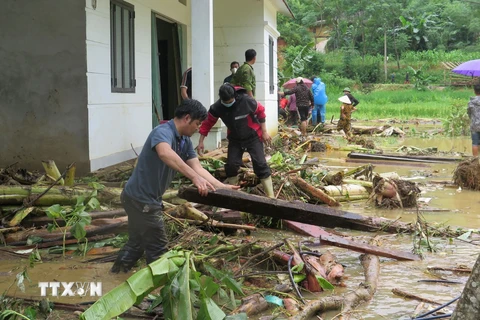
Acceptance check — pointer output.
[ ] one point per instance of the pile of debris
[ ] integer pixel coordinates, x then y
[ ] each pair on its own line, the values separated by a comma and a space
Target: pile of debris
467, 174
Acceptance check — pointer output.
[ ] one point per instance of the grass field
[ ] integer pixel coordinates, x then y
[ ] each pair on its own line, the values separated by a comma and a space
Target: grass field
402, 104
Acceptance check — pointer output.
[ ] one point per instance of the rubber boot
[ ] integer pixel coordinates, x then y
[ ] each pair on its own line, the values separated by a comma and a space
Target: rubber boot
268, 186
124, 262
232, 180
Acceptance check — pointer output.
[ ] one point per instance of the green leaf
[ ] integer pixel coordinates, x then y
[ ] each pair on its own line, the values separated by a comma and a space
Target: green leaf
209, 286
239, 316
37, 239
112, 304
184, 303
10, 314
141, 283
30, 313
55, 212
225, 279
324, 283
299, 277
209, 310
80, 201
96, 185
297, 268
276, 159
93, 203
78, 231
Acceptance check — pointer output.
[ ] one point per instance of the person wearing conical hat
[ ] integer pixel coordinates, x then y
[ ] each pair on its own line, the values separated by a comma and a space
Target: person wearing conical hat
347, 92
346, 109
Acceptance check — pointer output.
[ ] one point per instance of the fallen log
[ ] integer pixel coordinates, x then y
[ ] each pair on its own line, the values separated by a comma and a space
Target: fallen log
44, 220
49, 244
314, 192
12, 195
99, 226
296, 211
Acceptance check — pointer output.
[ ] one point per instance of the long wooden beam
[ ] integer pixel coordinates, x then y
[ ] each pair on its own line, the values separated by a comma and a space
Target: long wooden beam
296, 211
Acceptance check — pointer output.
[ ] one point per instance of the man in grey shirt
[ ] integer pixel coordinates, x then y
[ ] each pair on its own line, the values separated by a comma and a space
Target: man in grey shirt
168, 149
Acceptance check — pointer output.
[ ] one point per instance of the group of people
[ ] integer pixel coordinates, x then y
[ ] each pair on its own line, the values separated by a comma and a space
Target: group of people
303, 100
169, 149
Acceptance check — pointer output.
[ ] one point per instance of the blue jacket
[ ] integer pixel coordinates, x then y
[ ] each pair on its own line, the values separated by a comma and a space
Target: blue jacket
318, 90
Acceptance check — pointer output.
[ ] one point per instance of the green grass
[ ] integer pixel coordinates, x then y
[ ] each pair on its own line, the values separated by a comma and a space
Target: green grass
402, 104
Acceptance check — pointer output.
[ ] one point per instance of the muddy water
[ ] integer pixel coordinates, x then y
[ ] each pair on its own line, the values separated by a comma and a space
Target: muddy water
462, 208
449, 206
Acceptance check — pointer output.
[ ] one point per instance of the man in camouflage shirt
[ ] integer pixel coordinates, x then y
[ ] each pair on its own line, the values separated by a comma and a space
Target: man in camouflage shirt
473, 111
245, 75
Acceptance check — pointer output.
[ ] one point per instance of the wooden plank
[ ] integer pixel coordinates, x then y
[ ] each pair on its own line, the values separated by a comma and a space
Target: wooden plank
305, 229
338, 241
296, 211
366, 248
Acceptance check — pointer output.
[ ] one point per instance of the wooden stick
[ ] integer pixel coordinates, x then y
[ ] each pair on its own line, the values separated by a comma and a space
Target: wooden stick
407, 295
264, 252
465, 270
219, 224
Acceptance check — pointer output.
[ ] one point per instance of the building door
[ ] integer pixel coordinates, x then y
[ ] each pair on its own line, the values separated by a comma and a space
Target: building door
166, 70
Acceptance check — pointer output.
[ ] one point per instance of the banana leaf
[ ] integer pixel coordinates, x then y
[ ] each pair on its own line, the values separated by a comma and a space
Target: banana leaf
176, 295
135, 288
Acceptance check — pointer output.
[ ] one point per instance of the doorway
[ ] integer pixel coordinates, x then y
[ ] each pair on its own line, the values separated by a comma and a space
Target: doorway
166, 71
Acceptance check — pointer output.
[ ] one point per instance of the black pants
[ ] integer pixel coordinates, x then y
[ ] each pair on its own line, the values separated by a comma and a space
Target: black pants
255, 148
146, 233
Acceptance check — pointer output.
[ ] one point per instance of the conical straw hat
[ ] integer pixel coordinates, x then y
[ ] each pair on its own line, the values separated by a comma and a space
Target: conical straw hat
344, 99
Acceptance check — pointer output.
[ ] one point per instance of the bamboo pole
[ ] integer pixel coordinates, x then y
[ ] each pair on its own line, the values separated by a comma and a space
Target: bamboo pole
345, 190
70, 175
52, 170
363, 183
12, 195
348, 198
314, 192
19, 216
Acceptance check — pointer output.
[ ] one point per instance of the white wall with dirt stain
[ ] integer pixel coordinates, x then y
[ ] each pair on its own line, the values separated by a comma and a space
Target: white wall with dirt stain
118, 121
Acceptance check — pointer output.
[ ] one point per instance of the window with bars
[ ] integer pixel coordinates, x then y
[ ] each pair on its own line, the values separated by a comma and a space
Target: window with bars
122, 23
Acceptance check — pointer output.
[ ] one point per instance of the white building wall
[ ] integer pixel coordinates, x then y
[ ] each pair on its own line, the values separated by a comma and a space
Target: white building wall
270, 99
118, 121
233, 36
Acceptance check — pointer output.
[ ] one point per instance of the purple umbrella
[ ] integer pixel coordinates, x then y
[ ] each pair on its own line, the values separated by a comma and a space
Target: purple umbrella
469, 68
